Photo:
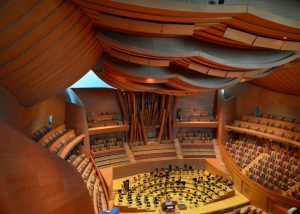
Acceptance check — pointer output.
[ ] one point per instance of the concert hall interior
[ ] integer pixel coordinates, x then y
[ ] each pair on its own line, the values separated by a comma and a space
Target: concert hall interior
158, 106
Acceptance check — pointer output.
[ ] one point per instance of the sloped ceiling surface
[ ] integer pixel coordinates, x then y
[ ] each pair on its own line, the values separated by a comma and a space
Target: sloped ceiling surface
46, 45
284, 79
200, 47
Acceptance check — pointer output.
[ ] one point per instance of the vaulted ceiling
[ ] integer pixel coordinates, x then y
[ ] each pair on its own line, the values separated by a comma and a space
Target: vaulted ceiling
168, 47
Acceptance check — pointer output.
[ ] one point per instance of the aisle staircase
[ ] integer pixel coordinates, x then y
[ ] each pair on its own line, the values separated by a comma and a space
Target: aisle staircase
129, 153
178, 149
255, 161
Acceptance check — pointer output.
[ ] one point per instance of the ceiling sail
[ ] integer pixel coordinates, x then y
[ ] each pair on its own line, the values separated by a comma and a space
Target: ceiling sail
47, 45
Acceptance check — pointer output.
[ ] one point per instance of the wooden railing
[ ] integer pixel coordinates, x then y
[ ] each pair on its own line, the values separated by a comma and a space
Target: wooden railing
68, 148
262, 134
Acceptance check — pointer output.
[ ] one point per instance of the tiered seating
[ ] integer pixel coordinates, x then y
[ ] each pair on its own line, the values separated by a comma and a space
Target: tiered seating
65, 144
85, 167
109, 158
269, 164
58, 148
52, 138
244, 151
99, 119
154, 151
106, 142
279, 128
295, 190
276, 171
198, 150
194, 114
187, 186
196, 144
194, 137
36, 136
250, 209
281, 118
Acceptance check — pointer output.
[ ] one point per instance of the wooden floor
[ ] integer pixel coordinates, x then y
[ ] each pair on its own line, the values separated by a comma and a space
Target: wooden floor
234, 201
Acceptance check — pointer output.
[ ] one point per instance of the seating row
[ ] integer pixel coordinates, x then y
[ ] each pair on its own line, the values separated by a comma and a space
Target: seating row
194, 114
152, 147
281, 118
85, 167
58, 148
108, 153
244, 151
102, 119
40, 133
250, 209
155, 155
272, 123
57, 141
194, 137
51, 139
268, 130
106, 142
268, 163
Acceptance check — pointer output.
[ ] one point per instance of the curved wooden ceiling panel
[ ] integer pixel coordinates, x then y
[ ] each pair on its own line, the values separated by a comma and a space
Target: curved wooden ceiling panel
182, 47
45, 47
164, 46
130, 75
284, 79
250, 17
125, 84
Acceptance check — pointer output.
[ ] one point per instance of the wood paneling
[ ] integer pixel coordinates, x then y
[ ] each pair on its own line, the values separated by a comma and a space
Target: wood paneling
39, 48
33, 180
270, 102
22, 118
76, 119
284, 79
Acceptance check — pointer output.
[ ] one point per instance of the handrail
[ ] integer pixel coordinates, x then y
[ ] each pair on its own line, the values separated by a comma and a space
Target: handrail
102, 183
108, 129
68, 148
262, 134
58, 141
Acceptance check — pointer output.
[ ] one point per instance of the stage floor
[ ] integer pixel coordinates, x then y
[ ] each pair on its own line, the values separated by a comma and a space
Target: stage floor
234, 201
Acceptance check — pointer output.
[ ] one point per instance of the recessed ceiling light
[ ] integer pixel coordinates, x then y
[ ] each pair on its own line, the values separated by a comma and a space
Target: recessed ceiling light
285, 37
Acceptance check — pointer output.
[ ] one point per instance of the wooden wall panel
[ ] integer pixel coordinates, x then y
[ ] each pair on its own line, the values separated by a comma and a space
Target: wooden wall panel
136, 168
248, 95
45, 47
33, 180
98, 99
76, 119
283, 79
226, 113
29, 119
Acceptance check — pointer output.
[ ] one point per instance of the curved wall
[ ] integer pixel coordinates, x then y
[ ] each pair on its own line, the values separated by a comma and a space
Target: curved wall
33, 180
30, 119
270, 102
